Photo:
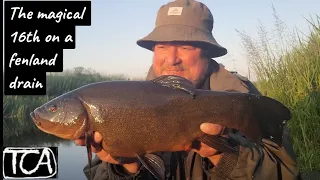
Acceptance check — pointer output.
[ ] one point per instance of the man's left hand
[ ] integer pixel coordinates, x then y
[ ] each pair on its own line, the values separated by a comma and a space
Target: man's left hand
205, 150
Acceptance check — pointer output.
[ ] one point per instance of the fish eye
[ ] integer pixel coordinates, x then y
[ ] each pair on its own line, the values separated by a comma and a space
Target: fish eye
53, 108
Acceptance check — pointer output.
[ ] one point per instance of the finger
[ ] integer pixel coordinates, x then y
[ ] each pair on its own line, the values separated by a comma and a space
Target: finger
205, 150
96, 148
212, 129
104, 156
96, 144
97, 137
80, 142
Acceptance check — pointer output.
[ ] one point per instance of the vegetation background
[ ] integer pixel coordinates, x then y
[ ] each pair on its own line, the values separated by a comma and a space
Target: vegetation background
286, 65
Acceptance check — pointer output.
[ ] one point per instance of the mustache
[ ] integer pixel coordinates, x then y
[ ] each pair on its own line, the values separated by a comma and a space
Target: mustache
177, 67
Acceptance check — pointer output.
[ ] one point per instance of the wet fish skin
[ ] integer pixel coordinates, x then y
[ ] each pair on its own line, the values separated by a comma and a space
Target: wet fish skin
142, 117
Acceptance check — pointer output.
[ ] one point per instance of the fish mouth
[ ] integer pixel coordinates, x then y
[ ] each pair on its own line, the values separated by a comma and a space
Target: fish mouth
35, 119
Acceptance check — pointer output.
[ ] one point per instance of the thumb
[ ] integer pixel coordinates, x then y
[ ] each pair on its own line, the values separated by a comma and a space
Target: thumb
211, 129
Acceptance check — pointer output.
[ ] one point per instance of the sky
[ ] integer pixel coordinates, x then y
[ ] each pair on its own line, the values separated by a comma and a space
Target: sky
109, 44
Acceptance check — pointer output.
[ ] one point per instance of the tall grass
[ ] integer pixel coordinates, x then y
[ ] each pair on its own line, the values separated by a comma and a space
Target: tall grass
287, 68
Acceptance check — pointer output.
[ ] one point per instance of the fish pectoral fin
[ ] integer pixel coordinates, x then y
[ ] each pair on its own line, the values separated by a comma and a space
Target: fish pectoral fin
176, 82
88, 139
219, 143
154, 164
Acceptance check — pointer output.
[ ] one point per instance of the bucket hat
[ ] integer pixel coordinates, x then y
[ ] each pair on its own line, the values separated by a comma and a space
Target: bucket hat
184, 21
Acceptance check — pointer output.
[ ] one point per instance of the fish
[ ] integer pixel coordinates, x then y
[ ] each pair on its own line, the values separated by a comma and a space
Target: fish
139, 118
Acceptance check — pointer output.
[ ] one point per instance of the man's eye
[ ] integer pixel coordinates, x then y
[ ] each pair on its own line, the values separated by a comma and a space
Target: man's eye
162, 47
187, 48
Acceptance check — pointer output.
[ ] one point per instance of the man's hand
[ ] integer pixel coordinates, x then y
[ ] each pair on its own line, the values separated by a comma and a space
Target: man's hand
205, 150
131, 168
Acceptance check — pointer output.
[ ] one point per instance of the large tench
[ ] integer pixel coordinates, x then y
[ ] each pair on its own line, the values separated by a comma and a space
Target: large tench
138, 118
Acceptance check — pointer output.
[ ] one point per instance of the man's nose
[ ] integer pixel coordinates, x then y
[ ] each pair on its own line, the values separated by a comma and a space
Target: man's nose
172, 56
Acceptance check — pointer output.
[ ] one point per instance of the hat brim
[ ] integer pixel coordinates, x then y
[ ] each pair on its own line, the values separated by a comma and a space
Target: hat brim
181, 33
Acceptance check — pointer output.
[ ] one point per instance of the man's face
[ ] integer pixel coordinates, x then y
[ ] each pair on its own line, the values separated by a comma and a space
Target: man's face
179, 59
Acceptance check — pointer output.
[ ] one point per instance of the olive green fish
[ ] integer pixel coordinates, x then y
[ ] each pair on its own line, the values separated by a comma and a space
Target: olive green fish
139, 118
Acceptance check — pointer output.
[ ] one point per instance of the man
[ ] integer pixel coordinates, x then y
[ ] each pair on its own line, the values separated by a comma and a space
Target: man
183, 45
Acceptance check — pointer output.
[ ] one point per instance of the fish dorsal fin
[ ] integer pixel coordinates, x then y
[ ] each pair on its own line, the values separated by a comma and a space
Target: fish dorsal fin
176, 82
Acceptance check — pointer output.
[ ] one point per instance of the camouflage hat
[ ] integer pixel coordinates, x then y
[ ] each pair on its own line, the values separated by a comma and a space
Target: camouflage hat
184, 21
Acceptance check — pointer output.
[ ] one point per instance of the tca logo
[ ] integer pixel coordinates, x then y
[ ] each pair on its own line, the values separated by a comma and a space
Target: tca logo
30, 162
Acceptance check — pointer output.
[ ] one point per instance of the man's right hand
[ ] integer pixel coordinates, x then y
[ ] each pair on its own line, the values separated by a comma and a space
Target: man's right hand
131, 168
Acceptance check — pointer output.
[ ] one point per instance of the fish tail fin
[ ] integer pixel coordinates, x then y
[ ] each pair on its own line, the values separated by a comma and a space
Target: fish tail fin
272, 115
277, 110
154, 164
